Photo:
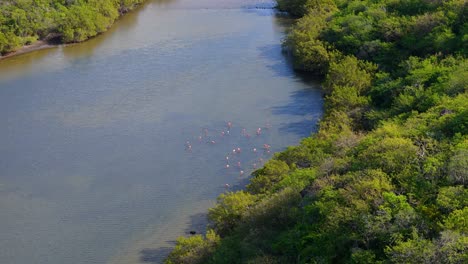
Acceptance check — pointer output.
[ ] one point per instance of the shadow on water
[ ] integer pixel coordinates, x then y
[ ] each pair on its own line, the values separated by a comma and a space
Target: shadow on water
279, 64
197, 224
300, 103
261, 9
301, 106
240, 185
154, 255
302, 128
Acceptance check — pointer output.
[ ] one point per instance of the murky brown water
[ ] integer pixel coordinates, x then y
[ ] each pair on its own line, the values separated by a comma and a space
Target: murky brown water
93, 167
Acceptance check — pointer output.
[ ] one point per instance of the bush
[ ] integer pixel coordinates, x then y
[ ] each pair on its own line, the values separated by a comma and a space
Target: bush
194, 249
230, 210
264, 179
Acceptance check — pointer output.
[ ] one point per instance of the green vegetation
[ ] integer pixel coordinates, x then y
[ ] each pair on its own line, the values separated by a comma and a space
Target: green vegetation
384, 179
22, 22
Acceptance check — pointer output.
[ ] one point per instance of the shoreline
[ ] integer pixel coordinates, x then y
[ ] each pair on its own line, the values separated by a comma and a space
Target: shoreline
38, 45
46, 43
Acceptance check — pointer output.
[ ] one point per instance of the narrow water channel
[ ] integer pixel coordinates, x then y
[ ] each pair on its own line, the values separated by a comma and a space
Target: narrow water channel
94, 164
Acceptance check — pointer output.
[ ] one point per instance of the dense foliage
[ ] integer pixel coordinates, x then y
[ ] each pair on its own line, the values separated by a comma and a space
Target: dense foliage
24, 21
384, 179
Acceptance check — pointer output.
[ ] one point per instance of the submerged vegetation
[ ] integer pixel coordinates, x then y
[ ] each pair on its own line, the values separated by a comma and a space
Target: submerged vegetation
23, 22
384, 179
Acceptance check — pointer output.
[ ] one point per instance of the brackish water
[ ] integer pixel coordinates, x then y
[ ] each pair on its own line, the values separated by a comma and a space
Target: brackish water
93, 167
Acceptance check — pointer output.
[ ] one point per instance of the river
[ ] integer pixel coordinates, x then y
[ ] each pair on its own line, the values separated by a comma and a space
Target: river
94, 161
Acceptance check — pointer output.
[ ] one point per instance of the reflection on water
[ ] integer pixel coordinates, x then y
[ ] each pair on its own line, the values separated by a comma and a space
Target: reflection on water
93, 167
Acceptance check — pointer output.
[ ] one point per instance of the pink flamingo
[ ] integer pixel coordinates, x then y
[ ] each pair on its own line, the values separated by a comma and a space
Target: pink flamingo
188, 146
229, 124
254, 165
241, 173
223, 133
227, 166
259, 131
238, 164
238, 150
254, 150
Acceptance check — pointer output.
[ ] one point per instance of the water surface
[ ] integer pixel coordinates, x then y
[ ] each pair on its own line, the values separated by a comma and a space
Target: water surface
93, 167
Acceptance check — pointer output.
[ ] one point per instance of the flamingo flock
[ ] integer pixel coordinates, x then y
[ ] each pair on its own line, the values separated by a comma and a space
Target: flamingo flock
237, 158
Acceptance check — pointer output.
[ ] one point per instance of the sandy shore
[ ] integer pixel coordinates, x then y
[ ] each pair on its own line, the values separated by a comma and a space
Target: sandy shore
38, 45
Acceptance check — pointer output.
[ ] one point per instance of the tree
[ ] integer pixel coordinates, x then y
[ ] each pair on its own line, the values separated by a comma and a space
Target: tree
229, 210
193, 250
264, 179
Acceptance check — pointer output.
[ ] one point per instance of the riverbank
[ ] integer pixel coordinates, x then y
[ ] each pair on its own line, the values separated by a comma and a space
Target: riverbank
67, 22
38, 45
